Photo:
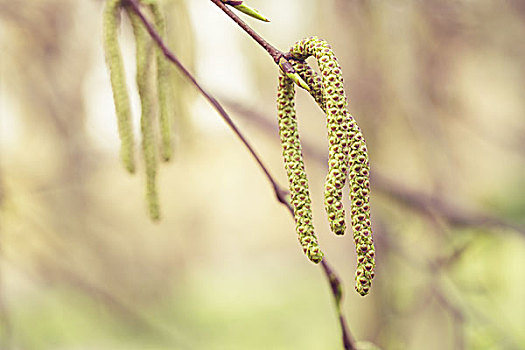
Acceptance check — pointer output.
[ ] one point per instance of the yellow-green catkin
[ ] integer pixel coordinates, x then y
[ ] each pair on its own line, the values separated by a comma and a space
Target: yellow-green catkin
295, 170
145, 61
338, 127
361, 224
323, 91
115, 65
163, 87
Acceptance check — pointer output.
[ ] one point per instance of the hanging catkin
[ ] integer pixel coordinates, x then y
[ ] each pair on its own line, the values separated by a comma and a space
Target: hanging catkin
337, 123
145, 60
163, 87
294, 165
328, 91
115, 66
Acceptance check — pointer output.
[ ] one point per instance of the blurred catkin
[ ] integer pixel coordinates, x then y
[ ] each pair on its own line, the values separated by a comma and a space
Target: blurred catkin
115, 65
155, 89
347, 154
295, 170
163, 87
180, 37
145, 62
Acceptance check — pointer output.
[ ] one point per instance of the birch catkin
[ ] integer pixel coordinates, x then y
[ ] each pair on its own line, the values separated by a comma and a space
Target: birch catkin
337, 123
115, 66
163, 87
293, 160
144, 58
328, 92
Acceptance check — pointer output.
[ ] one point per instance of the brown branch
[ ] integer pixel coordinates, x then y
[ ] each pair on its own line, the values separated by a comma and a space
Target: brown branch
337, 292
432, 205
272, 51
278, 56
336, 287
457, 314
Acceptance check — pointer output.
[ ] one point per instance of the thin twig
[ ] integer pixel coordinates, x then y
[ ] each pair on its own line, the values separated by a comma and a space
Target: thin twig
280, 193
457, 314
278, 56
272, 51
437, 205
337, 292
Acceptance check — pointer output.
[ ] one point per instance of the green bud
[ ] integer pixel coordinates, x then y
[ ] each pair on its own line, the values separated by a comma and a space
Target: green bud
251, 12
241, 6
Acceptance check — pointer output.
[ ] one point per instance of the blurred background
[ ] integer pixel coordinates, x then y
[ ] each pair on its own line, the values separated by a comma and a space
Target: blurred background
438, 90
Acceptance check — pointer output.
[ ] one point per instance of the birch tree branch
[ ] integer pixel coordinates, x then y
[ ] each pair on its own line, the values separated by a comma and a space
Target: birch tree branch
280, 193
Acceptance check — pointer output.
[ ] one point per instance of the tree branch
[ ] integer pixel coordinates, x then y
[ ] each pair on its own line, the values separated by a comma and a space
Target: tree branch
272, 51
336, 287
278, 56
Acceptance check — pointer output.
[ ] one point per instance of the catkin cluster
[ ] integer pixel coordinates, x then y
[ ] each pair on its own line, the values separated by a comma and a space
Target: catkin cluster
153, 86
347, 154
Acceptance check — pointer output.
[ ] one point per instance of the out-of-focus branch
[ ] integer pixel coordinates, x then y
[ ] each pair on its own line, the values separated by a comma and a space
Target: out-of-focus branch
117, 306
280, 193
457, 314
460, 308
412, 198
433, 205
114, 304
